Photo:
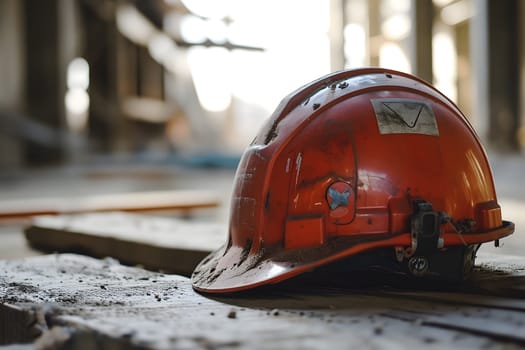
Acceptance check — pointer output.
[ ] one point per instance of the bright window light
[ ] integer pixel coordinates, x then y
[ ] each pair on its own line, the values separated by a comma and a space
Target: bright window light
355, 45
77, 102
208, 8
210, 72
76, 99
396, 27
161, 47
193, 29
392, 56
78, 74
444, 64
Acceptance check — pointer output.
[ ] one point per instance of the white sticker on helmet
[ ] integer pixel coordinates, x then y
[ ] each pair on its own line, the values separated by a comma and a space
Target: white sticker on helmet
404, 116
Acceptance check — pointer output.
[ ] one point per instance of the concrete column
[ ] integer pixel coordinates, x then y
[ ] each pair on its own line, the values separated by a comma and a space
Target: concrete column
421, 13
11, 71
496, 65
43, 103
480, 68
503, 74
337, 38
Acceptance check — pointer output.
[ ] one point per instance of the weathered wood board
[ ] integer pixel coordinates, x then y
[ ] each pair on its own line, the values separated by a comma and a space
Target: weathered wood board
157, 243
76, 302
134, 201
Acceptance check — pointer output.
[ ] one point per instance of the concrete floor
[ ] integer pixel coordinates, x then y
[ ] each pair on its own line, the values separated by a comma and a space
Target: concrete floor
509, 174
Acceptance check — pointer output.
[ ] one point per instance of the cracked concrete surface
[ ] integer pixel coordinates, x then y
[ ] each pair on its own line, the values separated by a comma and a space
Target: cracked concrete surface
74, 302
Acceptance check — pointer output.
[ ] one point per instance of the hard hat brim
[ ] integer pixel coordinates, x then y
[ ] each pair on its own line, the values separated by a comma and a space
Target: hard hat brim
232, 269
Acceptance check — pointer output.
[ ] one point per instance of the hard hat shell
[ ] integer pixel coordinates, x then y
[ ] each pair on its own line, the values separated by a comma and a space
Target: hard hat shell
354, 161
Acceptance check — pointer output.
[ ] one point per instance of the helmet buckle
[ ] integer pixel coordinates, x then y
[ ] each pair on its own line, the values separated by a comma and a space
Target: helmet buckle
425, 229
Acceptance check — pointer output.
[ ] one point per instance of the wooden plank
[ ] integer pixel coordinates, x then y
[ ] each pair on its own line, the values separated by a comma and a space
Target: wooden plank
80, 300
158, 243
182, 200
174, 245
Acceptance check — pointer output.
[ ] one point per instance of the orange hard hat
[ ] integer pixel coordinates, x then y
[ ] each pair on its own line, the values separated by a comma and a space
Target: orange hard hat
357, 161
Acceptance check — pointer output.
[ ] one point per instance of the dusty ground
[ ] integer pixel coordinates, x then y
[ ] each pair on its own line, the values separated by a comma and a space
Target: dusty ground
80, 302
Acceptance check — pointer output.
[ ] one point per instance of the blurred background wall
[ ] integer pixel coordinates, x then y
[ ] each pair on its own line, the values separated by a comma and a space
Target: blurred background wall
82, 79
